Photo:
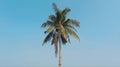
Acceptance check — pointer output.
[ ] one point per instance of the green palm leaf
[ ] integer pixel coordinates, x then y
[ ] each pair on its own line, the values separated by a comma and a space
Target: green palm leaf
72, 22
52, 18
48, 23
50, 29
71, 27
55, 7
71, 32
65, 11
47, 38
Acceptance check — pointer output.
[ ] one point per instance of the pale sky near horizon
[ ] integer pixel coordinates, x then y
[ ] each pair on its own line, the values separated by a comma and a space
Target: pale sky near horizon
21, 35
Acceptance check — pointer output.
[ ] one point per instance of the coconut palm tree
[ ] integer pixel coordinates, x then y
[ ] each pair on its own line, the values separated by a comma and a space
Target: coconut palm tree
59, 29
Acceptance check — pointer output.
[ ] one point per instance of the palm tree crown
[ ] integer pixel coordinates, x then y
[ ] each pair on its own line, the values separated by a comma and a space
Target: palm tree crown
59, 27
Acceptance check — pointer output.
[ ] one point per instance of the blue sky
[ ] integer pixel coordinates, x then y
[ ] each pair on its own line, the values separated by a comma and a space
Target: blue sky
21, 35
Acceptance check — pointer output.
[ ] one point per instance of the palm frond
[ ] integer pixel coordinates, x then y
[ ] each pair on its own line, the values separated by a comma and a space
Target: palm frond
64, 41
50, 29
54, 39
75, 22
58, 16
69, 26
48, 37
52, 18
71, 32
66, 22
72, 22
63, 35
55, 7
65, 11
48, 23
63, 19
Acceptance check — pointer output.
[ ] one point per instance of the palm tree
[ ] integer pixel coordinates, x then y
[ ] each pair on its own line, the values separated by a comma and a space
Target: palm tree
59, 29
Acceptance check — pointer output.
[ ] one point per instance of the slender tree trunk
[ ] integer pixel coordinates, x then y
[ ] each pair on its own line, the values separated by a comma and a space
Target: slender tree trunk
60, 54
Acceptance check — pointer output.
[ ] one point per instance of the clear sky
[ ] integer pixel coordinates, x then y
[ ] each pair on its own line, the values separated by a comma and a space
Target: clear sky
21, 35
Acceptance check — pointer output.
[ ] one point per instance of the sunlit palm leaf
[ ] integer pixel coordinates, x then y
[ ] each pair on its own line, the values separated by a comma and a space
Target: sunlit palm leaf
75, 36
71, 32
72, 22
50, 29
72, 27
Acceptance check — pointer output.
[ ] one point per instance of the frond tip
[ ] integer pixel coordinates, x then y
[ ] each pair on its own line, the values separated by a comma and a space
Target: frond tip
65, 11
55, 7
75, 22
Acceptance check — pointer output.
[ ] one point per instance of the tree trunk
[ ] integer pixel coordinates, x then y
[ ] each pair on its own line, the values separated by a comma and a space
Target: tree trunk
60, 54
